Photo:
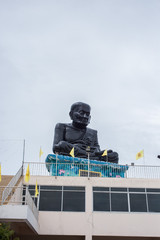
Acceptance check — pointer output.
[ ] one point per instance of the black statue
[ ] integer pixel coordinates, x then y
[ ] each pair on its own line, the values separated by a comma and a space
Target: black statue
77, 135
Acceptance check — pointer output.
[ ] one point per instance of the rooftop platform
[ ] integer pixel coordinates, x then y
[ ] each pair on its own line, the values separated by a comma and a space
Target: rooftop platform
89, 206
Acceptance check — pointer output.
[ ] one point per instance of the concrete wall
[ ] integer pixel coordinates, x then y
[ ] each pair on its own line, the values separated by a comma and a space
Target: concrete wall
105, 182
19, 213
92, 223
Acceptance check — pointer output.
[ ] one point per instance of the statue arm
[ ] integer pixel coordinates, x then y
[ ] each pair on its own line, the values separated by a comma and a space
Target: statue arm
96, 147
96, 144
60, 145
59, 134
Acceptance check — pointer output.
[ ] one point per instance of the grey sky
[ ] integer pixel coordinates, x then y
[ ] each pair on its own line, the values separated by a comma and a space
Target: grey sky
105, 53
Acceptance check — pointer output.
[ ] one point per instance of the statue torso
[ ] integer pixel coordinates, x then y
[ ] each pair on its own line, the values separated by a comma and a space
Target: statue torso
79, 136
75, 136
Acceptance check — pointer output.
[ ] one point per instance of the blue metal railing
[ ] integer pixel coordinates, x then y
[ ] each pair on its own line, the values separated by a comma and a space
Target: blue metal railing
65, 167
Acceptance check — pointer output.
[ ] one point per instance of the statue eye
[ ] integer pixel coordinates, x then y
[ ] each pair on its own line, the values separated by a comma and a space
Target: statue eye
81, 112
84, 113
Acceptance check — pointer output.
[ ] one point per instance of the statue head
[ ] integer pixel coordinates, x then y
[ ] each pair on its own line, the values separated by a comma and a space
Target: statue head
80, 114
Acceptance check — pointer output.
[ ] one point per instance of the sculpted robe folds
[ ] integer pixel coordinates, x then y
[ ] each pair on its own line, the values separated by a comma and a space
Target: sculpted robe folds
66, 135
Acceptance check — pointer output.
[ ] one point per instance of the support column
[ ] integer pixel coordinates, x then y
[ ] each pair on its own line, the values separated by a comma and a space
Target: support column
88, 237
89, 212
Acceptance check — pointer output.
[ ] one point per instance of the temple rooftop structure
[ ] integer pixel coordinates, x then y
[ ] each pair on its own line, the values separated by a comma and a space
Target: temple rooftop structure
82, 200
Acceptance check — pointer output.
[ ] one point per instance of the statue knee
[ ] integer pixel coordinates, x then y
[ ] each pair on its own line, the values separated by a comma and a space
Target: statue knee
113, 157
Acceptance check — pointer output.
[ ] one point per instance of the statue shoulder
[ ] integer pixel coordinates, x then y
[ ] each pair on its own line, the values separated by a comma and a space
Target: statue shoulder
61, 125
92, 131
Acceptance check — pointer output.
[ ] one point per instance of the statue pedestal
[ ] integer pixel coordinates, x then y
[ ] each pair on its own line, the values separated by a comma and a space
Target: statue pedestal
60, 165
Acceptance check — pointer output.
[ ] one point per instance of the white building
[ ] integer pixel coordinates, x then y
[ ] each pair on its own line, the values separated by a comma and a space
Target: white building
72, 208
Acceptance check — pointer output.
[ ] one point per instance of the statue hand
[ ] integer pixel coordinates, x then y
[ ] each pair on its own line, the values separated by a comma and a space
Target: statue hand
101, 152
64, 147
111, 156
61, 146
101, 158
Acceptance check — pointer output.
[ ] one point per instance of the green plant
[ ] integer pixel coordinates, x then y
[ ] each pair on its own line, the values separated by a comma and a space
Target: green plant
6, 232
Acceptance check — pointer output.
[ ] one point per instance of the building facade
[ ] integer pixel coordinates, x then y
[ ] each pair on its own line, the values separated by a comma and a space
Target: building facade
83, 207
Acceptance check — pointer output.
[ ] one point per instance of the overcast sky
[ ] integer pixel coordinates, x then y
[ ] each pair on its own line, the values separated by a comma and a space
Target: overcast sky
57, 52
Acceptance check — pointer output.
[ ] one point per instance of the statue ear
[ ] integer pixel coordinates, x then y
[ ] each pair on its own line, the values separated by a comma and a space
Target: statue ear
71, 115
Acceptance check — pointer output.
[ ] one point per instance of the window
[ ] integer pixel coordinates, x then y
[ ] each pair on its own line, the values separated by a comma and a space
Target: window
31, 190
119, 202
153, 197
138, 202
126, 199
50, 200
110, 199
73, 199
153, 202
101, 201
60, 198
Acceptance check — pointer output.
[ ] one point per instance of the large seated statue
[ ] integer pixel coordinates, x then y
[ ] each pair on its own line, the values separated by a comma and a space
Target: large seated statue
79, 136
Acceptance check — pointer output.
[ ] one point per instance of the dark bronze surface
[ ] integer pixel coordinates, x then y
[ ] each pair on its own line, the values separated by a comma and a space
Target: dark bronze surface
79, 136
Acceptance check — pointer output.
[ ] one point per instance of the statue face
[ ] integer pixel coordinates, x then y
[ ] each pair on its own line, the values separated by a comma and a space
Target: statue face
81, 115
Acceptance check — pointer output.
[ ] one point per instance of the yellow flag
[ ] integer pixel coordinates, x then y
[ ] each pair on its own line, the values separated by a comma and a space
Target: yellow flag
140, 155
27, 176
104, 153
40, 152
0, 174
36, 190
72, 152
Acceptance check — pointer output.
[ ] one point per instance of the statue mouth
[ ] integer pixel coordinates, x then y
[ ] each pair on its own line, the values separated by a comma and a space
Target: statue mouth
83, 120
